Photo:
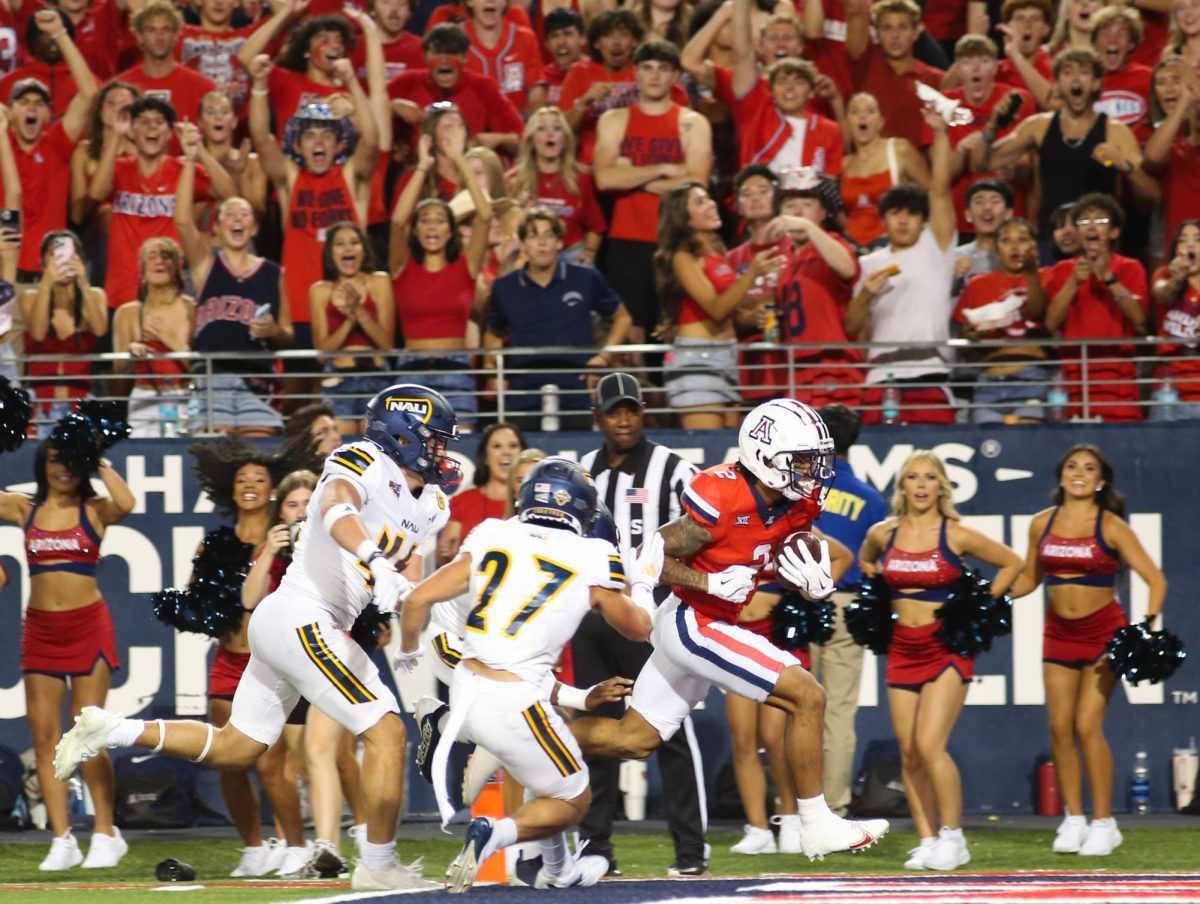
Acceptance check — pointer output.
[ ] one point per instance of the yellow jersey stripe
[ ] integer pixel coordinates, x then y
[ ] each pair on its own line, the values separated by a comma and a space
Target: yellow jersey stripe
348, 464
446, 653
553, 737
315, 656
616, 568
358, 685
531, 721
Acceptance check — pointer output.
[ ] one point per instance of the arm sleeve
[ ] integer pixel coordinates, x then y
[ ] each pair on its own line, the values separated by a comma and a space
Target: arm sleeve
356, 464
681, 476
606, 300
609, 570
702, 500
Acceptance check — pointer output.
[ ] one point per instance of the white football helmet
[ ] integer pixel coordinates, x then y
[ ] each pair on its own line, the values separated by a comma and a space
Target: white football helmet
786, 445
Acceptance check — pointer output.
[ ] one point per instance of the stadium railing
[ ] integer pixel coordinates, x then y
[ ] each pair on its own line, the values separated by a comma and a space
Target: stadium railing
787, 373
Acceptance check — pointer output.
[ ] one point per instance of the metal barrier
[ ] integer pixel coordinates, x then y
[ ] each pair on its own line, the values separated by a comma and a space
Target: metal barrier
787, 373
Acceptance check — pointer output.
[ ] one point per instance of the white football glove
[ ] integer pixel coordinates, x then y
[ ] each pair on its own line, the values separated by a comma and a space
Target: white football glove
407, 660
390, 587
812, 577
735, 583
647, 561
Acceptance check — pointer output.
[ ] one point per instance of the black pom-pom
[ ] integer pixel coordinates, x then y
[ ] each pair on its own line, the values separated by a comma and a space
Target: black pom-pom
75, 440
869, 618
109, 419
798, 622
212, 603
15, 412
970, 619
1138, 654
369, 625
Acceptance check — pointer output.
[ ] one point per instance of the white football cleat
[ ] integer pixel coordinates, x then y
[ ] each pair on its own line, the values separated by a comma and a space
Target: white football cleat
835, 834
396, 877
85, 740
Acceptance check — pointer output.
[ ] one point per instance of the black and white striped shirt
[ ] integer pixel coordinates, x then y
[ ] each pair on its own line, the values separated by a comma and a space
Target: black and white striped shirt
642, 492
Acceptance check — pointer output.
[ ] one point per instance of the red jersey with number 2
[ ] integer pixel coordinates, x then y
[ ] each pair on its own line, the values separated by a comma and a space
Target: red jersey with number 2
745, 531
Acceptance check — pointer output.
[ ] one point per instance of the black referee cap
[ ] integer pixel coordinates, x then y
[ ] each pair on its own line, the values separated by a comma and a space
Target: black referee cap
618, 387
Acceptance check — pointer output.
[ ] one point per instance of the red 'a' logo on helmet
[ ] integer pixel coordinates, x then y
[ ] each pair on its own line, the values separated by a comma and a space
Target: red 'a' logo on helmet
762, 430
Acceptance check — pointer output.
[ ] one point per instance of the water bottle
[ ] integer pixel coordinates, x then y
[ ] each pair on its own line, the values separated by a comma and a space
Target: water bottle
891, 402
192, 422
1056, 401
1139, 784
1165, 397
771, 323
549, 408
168, 418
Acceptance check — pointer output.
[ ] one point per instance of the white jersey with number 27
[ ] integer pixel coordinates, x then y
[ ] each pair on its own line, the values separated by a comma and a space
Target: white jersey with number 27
531, 586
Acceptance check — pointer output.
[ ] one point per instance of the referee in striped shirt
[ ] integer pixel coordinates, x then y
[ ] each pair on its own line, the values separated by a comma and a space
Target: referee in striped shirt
641, 482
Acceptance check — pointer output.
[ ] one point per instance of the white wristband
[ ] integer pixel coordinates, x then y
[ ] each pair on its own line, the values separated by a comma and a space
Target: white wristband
366, 551
336, 513
572, 697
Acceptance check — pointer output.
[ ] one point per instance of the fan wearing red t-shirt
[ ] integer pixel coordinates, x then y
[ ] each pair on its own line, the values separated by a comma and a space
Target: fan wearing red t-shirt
1007, 304
401, 49
888, 70
1100, 295
547, 175
1173, 151
507, 54
643, 151
211, 49
99, 30
975, 71
43, 151
316, 178
157, 26
458, 14
1026, 64
1125, 95
489, 116
305, 73
607, 81
1177, 293
565, 45
142, 189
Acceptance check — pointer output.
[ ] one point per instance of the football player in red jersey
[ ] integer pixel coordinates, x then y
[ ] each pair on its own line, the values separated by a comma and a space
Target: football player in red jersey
735, 518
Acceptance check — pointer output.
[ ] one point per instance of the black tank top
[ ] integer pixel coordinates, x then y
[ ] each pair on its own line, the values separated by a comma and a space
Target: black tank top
225, 307
1065, 172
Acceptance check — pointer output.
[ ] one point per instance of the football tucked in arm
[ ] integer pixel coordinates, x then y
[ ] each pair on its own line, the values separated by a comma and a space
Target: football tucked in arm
802, 564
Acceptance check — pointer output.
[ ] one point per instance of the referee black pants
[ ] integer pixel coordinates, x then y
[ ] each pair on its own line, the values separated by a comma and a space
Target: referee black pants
599, 653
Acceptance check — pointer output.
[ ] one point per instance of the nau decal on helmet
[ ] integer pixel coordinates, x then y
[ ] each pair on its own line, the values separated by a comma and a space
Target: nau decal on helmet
762, 430
422, 409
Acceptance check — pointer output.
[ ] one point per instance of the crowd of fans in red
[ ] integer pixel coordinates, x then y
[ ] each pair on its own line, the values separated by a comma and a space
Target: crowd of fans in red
408, 189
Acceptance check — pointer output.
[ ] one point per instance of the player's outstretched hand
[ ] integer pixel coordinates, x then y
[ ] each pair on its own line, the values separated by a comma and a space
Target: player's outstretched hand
390, 587
648, 563
407, 660
733, 584
609, 691
811, 576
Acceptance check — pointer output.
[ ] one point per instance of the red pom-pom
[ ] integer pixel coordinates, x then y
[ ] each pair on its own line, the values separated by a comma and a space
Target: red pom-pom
794, 542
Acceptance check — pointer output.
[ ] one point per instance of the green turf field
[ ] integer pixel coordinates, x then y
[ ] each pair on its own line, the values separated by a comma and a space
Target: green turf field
642, 855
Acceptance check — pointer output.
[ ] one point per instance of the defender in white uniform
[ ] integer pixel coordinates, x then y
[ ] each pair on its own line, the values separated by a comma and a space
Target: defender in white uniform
378, 501
532, 580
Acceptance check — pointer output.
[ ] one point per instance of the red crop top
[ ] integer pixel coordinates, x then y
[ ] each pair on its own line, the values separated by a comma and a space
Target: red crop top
357, 336
721, 275
75, 550
1088, 561
435, 305
929, 574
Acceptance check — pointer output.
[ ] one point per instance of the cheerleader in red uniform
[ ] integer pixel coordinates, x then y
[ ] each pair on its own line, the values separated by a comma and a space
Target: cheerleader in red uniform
919, 552
68, 633
1076, 549
240, 482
